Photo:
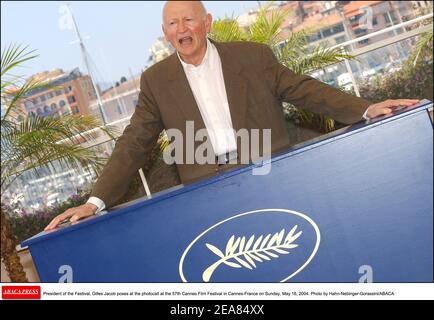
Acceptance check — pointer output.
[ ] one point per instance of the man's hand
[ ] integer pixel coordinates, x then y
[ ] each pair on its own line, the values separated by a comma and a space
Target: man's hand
388, 106
75, 213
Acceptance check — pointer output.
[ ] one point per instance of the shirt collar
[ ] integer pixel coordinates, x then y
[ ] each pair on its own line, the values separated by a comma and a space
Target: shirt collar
209, 54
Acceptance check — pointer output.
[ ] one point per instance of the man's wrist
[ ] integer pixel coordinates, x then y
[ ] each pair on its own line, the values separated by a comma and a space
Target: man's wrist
91, 206
97, 202
365, 115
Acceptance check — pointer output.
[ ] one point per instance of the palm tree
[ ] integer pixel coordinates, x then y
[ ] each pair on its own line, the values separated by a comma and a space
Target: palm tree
425, 42
29, 143
292, 53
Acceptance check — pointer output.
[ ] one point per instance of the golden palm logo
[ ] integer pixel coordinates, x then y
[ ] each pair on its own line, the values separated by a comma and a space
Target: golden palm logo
239, 253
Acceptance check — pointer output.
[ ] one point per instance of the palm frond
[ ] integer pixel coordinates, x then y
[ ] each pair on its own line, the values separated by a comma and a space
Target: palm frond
38, 142
32, 143
318, 122
266, 28
163, 141
294, 47
13, 56
318, 59
13, 98
425, 41
53, 131
226, 30
69, 156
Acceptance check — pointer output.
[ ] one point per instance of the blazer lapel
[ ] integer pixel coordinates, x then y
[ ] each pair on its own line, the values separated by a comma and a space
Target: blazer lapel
236, 86
181, 92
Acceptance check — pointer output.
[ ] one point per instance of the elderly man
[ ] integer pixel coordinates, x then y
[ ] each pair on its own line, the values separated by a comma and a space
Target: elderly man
220, 87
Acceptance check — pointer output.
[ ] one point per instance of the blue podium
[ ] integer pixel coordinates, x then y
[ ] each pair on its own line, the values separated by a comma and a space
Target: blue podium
356, 204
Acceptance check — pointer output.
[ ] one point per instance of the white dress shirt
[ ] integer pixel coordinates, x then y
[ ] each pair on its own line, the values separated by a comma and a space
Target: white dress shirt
208, 86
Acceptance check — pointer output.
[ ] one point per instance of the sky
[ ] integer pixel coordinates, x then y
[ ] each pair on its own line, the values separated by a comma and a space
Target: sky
117, 34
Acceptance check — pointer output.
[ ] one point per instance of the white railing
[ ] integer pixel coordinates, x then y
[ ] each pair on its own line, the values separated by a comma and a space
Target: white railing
382, 43
379, 32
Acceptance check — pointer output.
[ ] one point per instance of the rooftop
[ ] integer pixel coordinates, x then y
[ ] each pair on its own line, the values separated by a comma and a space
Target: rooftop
124, 87
317, 21
353, 8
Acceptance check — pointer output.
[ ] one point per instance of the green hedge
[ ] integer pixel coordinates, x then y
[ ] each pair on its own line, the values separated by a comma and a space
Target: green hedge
410, 82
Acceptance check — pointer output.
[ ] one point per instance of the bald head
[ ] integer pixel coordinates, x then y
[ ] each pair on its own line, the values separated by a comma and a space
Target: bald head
197, 6
185, 26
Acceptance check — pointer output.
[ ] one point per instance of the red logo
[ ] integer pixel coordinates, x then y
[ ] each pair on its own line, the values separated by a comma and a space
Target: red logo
21, 292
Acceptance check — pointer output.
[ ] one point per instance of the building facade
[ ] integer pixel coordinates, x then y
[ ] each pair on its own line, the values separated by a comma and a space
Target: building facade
118, 102
331, 23
67, 93
160, 50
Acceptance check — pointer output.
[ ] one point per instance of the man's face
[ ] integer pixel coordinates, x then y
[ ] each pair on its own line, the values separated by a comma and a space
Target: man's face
185, 26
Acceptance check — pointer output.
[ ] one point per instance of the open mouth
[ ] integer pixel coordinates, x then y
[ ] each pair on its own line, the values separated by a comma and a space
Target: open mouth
185, 40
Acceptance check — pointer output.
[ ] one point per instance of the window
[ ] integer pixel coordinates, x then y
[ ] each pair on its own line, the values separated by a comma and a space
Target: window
338, 28
390, 15
46, 109
71, 99
365, 41
28, 105
75, 110
49, 95
386, 18
58, 92
39, 111
340, 39
118, 107
355, 18
62, 103
53, 107
359, 32
393, 15
327, 32
313, 37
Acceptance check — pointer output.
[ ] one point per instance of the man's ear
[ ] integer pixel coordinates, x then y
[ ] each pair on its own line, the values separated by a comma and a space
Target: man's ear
208, 22
164, 32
